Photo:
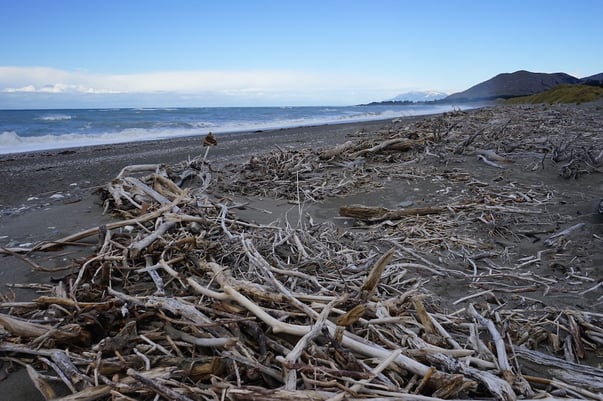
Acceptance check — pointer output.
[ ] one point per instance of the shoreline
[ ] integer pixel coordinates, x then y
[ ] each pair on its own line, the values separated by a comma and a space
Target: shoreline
52, 193
44, 172
52, 129
487, 220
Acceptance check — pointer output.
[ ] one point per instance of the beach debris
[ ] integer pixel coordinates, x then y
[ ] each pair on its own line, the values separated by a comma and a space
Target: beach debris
489, 162
405, 203
208, 141
185, 300
375, 214
553, 239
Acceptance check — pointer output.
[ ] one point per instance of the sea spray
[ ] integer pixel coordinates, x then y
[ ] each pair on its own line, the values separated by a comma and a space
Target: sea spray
31, 130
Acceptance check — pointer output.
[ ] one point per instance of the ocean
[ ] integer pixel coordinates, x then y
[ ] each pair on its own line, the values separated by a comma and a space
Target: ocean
32, 130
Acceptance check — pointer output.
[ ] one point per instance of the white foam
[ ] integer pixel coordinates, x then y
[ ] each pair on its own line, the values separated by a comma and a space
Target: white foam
8, 138
11, 142
54, 117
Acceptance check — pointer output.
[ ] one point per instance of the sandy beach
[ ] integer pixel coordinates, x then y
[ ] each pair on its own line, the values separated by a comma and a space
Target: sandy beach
525, 221
47, 172
55, 188
51, 194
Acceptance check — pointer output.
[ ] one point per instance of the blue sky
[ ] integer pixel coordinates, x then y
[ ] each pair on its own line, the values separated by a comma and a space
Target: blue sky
133, 53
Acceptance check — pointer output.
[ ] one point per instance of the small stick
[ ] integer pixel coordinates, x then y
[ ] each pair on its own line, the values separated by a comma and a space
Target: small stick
477, 294
374, 373
302, 343
551, 240
154, 385
374, 276
503, 360
489, 162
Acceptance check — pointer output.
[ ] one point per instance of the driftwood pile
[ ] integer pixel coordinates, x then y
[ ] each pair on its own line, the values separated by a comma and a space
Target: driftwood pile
182, 300
565, 138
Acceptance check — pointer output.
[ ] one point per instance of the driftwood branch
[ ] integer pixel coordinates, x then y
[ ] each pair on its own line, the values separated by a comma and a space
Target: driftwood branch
374, 214
397, 144
489, 162
547, 366
550, 241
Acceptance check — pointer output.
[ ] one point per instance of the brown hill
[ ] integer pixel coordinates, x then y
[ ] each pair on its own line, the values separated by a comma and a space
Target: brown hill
508, 85
593, 79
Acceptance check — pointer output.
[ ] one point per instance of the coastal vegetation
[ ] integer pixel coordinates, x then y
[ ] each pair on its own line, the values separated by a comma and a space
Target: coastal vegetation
562, 94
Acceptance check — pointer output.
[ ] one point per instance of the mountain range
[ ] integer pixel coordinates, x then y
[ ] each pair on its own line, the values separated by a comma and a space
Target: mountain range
502, 86
519, 83
419, 96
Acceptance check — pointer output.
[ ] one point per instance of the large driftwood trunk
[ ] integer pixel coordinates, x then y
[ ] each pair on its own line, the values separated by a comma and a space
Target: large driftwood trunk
540, 364
376, 213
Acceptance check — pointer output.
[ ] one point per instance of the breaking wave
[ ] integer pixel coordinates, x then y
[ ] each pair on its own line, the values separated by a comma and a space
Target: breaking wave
55, 117
27, 130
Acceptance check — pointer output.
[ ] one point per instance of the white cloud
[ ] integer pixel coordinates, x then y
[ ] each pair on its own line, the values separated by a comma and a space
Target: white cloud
275, 86
55, 88
27, 88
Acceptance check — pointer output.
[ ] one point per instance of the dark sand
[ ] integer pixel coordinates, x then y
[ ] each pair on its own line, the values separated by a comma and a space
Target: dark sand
47, 195
50, 194
44, 173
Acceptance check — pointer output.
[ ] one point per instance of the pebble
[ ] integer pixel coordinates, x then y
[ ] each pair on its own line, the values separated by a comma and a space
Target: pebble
406, 203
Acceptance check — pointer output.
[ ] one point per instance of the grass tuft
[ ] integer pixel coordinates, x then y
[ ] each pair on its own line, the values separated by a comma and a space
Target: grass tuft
562, 94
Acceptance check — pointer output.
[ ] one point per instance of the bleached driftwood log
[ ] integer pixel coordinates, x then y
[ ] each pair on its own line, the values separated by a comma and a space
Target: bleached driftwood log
489, 162
137, 168
541, 364
398, 144
377, 213
337, 150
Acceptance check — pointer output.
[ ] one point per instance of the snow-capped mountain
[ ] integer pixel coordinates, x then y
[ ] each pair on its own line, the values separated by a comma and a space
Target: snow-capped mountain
419, 96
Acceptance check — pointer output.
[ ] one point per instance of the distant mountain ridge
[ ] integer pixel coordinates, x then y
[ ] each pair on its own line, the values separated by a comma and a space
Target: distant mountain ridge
419, 96
502, 86
519, 83
597, 78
